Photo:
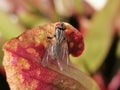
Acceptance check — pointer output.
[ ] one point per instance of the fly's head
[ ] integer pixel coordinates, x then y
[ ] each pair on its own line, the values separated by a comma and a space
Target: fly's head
60, 26
60, 33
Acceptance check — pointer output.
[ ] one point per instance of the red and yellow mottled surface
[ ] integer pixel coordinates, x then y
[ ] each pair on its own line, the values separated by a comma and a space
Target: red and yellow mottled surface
22, 59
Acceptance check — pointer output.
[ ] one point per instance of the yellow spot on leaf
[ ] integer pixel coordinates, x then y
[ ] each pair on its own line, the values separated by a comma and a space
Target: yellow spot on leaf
80, 45
40, 37
38, 72
32, 51
21, 38
34, 84
71, 44
23, 63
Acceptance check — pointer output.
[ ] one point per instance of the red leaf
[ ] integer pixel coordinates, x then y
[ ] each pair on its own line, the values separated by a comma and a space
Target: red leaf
23, 54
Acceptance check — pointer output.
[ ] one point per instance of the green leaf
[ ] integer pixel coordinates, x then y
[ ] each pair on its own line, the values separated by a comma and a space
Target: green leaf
98, 39
8, 29
1, 52
31, 20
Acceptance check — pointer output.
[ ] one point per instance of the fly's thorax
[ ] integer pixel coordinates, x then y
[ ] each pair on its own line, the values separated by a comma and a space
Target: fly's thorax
59, 36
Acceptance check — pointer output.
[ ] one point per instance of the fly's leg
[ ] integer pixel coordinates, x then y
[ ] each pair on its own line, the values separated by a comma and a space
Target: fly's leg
59, 64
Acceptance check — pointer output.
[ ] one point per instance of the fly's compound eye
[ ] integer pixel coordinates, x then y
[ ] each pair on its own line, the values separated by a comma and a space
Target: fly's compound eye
63, 26
60, 26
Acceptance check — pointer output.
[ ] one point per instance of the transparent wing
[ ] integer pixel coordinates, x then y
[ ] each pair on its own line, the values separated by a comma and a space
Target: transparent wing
62, 56
58, 54
47, 57
65, 56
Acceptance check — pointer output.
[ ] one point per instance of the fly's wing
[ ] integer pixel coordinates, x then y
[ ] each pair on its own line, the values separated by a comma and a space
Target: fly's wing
62, 56
45, 59
58, 55
47, 56
65, 56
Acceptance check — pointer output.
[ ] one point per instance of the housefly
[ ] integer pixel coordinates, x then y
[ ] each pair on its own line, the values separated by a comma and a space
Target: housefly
57, 51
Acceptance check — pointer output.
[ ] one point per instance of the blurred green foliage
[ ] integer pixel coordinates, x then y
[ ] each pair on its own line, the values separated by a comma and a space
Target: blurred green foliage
99, 38
8, 29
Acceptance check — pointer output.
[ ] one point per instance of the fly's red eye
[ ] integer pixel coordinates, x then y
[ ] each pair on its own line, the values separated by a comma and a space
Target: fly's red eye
60, 26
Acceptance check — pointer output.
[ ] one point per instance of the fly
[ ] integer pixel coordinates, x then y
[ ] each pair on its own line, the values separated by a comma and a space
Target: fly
57, 51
